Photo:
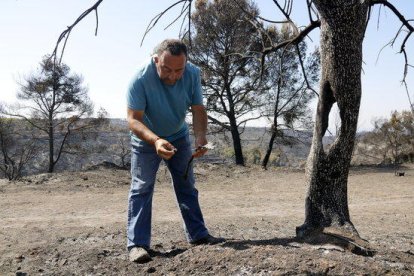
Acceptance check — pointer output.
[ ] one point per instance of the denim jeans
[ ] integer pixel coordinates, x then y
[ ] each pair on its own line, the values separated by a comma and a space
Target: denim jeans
144, 166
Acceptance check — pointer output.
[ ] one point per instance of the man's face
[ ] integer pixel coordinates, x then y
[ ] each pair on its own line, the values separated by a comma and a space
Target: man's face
170, 68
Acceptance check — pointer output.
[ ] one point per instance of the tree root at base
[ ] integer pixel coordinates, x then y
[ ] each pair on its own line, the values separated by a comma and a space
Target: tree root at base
338, 236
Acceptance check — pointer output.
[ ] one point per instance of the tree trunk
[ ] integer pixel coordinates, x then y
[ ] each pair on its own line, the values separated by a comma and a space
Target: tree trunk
342, 33
269, 149
236, 141
51, 149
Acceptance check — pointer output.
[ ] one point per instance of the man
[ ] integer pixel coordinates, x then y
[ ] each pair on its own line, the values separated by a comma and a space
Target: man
158, 99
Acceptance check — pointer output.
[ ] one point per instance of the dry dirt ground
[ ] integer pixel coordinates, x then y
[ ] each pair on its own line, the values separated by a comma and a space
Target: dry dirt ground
74, 224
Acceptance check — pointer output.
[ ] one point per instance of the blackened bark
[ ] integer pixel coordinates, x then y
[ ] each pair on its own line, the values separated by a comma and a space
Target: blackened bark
238, 152
342, 32
51, 149
269, 150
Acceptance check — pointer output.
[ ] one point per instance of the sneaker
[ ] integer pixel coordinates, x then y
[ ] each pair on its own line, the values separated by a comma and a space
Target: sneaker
209, 239
139, 255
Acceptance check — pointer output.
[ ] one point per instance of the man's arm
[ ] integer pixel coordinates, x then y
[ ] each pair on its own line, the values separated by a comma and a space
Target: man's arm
136, 125
200, 128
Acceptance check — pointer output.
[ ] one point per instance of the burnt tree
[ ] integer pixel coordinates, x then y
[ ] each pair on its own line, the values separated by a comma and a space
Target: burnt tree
342, 33
342, 24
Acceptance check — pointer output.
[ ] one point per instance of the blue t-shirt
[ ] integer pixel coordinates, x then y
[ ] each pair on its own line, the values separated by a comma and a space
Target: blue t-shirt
165, 106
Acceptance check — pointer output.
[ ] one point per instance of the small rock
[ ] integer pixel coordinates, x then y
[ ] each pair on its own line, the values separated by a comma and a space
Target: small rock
63, 262
151, 269
104, 253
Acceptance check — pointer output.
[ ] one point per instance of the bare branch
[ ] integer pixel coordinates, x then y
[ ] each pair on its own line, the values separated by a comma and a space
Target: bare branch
258, 16
410, 30
155, 20
305, 75
395, 11
249, 119
409, 98
183, 9
294, 40
218, 122
65, 34
285, 10
310, 10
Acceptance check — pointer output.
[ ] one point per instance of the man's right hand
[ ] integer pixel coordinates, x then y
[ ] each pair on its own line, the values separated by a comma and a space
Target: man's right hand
164, 149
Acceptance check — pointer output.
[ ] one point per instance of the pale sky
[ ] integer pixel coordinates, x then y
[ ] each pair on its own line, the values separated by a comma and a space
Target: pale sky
30, 28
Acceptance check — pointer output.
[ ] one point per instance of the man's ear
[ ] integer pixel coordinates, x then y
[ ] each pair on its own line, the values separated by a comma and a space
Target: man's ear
156, 58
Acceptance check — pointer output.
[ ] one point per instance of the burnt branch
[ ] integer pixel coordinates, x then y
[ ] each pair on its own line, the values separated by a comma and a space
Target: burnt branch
219, 123
186, 10
293, 41
183, 10
251, 16
408, 30
64, 36
286, 10
305, 75
395, 11
311, 10
409, 98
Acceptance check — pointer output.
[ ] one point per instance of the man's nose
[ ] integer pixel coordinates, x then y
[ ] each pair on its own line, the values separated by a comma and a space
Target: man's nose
175, 76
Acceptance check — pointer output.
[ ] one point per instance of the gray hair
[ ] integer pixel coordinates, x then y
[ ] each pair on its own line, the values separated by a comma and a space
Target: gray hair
174, 46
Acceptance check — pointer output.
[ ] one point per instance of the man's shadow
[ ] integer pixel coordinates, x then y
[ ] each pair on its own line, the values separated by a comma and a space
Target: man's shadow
229, 243
246, 244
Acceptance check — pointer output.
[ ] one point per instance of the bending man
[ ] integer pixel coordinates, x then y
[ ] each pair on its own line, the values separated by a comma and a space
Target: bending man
158, 100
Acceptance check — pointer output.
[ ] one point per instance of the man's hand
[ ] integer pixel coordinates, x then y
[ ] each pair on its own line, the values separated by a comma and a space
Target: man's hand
199, 143
164, 149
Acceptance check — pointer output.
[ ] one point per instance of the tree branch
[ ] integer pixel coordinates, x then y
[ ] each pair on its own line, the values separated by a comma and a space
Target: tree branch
295, 40
395, 11
218, 122
64, 36
305, 76
156, 18
410, 30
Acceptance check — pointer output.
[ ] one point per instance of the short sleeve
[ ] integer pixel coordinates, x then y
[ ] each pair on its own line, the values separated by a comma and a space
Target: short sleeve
197, 98
136, 99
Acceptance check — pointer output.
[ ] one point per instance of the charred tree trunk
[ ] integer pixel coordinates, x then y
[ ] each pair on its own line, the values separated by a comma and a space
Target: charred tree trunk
269, 150
51, 146
237, 146
275, 116
342, 31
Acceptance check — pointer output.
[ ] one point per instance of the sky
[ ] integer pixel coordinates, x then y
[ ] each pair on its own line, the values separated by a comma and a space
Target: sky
29, 30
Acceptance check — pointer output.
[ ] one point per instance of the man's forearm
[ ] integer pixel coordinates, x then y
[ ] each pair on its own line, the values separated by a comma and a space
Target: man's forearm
199, 122
142, 131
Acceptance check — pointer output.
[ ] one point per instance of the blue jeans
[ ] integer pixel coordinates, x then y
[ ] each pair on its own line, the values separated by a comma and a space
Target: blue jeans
144, 166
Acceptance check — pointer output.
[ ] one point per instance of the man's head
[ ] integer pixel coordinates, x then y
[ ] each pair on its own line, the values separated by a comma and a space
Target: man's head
170, 57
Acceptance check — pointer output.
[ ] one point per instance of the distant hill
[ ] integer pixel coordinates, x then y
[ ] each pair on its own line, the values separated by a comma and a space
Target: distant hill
108, 142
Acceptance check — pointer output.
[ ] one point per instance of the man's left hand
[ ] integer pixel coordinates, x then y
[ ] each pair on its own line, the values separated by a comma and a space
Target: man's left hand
199, 143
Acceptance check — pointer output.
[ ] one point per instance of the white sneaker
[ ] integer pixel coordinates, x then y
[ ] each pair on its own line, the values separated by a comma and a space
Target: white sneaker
139, 255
